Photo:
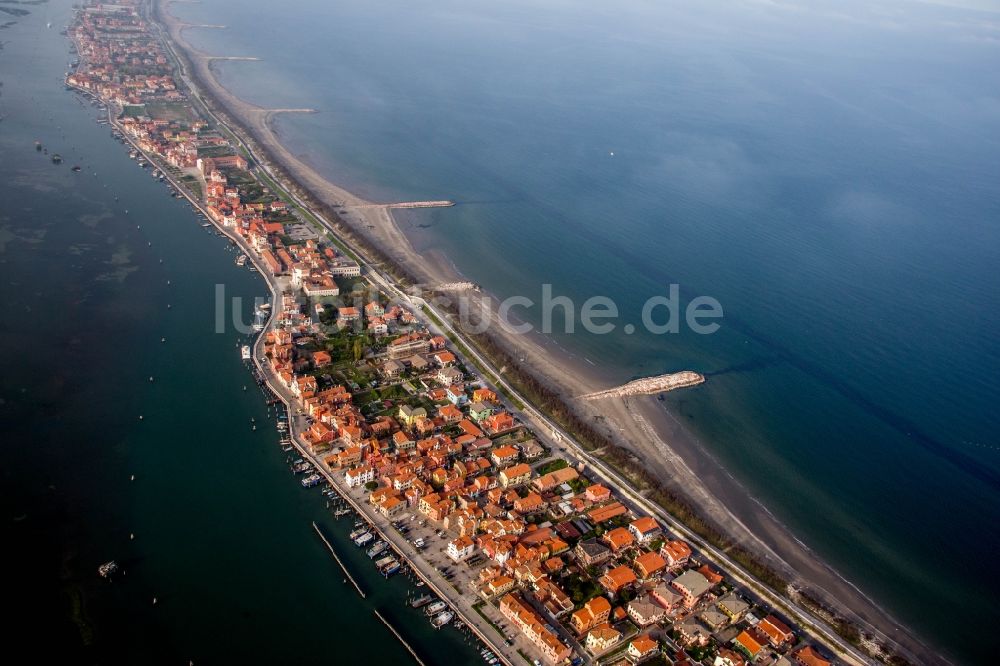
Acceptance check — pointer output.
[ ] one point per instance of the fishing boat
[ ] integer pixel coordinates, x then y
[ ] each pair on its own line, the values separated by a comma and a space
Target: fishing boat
358, 532
440, 620
377, 549
364, 540
436, 608
391, 569
340, 513
421, 601
245, 352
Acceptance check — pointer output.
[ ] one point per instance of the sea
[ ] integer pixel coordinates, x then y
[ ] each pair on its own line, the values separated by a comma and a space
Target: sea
128, 422
826, 171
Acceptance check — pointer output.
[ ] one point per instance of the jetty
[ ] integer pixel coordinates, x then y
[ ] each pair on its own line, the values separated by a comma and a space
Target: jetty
650, 385
407, 204
396, 634
337, 557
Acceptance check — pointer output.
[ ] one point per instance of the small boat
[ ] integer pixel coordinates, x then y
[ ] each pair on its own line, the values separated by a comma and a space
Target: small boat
245, 352
384, 562
75, 168
38, 146
440, 620
56, 158
311, 480
340, 513
422, 600
241, 260
436, 608
107, 569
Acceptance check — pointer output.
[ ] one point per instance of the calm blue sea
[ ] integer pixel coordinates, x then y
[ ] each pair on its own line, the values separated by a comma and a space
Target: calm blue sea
827, 170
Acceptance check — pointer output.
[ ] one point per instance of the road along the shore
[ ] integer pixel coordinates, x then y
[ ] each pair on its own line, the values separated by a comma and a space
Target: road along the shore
552, 432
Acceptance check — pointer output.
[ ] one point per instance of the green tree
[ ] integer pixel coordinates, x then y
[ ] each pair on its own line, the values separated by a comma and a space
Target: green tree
359, 350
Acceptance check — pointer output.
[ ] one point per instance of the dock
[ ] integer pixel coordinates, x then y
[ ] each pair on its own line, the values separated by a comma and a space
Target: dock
337, 557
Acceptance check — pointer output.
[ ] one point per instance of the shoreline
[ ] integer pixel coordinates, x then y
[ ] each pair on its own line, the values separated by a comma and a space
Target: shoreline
651, 429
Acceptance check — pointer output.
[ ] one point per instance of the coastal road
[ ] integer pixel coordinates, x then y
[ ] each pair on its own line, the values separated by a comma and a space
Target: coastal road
558, 439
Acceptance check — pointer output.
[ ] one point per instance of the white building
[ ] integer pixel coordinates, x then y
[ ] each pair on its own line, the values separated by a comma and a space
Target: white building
461, 548
359, 476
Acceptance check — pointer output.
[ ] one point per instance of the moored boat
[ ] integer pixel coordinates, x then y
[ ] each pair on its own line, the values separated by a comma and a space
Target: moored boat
444, 618
421, 601
107, 569
436, 608
311, 480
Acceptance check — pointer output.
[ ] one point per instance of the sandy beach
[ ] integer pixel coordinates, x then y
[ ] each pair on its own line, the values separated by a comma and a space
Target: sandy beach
640, 423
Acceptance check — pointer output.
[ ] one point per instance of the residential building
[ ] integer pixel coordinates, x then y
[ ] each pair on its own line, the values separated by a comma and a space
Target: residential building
515, 475
807, 655
733, 606
591, 552
777, 632
593, 613
617, 579
602, 638
642, 648
676, 553
359, 476
644, 612
691, 585
461, 549
644, 529
648, 565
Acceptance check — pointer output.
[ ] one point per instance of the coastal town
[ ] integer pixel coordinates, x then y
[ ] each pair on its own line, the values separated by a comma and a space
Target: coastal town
518, 538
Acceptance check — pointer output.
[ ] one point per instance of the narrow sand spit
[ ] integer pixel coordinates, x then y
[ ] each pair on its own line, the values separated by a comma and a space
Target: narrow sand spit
637, 422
